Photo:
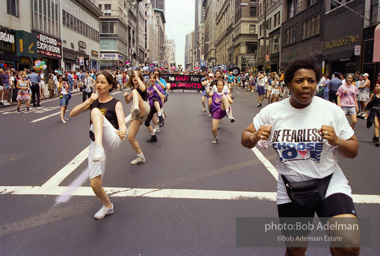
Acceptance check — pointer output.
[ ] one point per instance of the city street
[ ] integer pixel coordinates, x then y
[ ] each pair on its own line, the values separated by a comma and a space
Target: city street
183, 201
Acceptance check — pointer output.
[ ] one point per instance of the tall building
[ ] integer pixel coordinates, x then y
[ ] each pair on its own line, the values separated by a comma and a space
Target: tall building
224, 31
158, 4
159, 15
340, 40
187, 50
199, 21
270, 19
170, 52
80, 35
302, 31
122, 33
151, 36
209, 32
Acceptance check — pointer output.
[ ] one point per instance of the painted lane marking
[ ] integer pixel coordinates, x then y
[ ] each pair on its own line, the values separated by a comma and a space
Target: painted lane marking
71, 166
164, 193
45, 117
266, 162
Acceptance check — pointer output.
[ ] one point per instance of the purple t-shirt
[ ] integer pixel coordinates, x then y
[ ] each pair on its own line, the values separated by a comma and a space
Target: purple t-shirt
5, 78
153, 94
347, 95
216, 101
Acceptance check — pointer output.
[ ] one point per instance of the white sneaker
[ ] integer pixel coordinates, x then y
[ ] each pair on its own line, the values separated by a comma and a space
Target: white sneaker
138, 160
215, 141
66, 119
209, 115
63, 121
136, 112
231, 118
103, 212
98, 154
156, 129
204, 110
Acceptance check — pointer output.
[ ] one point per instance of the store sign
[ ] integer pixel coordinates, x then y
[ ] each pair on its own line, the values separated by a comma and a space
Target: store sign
357, 50
82, 45
341, 42
49, 46
81, 61
94, 53
6, 37
108, 56
121, 58
26, 44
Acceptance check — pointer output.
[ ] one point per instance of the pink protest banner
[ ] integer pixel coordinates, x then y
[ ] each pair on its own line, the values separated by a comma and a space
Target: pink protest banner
188, 82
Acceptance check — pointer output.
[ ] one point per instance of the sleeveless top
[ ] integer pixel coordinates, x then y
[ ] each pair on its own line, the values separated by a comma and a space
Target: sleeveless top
108, 109
143, 94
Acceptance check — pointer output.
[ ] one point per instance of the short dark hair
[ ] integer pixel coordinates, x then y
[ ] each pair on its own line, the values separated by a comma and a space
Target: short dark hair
298, 64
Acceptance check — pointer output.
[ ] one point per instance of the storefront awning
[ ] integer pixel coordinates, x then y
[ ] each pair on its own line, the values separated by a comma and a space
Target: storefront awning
341, 56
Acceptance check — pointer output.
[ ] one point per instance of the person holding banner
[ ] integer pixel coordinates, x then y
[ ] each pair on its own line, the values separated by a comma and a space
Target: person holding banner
155, 99
139, 112
220, 108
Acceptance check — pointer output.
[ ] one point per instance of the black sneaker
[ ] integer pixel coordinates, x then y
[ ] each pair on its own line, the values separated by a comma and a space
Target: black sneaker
153, 138
18, 110
374, 139
161, 121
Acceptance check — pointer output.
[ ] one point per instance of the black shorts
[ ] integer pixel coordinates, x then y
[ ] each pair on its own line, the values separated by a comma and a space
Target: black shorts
333, 205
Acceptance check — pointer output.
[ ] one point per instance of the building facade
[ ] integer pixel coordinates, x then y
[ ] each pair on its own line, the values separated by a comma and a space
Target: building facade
302, 31
224, 28
151, 36
340, 40
243, 52
209, 32
80, 33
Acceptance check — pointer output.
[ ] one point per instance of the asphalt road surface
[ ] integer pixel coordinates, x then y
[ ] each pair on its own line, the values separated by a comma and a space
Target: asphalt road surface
183, 201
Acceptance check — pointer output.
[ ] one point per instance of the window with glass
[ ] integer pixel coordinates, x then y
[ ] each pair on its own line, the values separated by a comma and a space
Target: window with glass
252, 11
13, 7
252, 29
107, 7
292, 8
374, 10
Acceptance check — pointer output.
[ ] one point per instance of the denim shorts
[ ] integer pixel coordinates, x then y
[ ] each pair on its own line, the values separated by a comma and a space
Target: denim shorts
349, 110
6, 86
64, 100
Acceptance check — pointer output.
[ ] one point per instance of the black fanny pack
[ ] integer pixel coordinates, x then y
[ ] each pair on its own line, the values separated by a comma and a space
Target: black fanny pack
307, 194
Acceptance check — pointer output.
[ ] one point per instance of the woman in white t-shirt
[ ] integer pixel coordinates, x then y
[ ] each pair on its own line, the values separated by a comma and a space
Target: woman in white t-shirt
308, 133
